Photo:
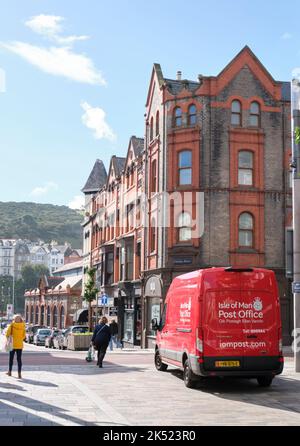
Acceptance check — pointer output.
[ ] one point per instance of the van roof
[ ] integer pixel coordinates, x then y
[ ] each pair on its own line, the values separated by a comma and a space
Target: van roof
215, 274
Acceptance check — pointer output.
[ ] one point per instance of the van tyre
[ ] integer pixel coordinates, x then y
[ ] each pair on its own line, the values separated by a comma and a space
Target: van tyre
188, 375
160, 366
264, 381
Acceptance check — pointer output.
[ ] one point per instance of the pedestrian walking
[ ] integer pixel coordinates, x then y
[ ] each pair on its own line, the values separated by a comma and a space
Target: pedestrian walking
16, 330
114, 330
101, 338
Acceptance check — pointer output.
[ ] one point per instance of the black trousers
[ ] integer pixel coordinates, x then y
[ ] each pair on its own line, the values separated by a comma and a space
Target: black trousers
19, 359
101, 353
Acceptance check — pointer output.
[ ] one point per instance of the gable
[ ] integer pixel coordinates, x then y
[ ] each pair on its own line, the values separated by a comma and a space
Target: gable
246, 84
246, 60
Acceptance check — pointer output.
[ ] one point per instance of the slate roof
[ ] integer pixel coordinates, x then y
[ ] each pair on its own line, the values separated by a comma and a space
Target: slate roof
175, 86
97, 178
137, 145
119, 164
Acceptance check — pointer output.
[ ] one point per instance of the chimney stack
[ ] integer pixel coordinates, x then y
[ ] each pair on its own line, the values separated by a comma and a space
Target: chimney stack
179, 75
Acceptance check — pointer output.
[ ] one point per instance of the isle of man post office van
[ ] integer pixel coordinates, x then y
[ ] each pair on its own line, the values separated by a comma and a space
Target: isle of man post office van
221, 322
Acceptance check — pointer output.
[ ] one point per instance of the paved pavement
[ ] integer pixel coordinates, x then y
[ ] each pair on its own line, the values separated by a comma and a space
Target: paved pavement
60, 388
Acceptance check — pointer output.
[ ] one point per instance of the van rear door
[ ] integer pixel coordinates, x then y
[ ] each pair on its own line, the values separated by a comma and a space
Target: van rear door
261, 313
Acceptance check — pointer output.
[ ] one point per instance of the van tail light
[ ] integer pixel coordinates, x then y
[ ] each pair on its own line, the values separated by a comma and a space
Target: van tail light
199, 342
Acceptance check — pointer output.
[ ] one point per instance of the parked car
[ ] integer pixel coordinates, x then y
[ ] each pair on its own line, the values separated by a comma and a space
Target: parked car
49, 340
40, 336
58, 341
221, 322
32, 331
73, 329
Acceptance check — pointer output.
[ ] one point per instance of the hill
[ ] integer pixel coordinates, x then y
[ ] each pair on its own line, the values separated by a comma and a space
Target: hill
35, 221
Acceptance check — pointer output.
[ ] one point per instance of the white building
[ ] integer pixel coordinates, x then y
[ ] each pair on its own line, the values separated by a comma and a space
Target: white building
7, 257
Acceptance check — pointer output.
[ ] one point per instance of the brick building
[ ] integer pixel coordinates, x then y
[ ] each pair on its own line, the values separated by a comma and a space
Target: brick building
229, 137
209, 186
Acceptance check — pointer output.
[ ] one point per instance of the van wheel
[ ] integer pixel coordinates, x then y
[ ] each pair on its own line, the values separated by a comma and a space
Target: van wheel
264, 381
160, 366
188, 375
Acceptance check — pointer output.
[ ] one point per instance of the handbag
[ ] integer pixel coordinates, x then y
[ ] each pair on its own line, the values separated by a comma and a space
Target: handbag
9, 342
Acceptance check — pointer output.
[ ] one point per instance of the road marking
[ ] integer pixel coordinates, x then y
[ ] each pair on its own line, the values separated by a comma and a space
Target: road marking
106, 408
39, 414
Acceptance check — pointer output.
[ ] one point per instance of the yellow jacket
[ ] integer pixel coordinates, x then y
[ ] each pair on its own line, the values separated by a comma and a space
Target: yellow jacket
17, 331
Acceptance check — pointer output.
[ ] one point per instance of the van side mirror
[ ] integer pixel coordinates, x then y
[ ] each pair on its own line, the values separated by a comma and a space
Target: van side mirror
154, 324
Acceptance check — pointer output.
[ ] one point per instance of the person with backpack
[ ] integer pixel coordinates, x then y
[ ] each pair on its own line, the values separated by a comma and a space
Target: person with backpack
101, 338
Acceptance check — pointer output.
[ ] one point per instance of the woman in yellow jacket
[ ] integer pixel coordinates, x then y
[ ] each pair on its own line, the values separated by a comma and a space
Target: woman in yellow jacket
17, 331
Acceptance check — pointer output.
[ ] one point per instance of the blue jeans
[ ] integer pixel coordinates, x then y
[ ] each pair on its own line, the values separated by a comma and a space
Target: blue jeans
19, 359
114, 339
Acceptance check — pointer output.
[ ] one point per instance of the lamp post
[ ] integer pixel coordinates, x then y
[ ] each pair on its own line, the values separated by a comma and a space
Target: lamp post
296, 217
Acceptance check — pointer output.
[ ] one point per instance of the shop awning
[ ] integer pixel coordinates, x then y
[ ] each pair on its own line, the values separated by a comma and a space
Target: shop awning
81, 316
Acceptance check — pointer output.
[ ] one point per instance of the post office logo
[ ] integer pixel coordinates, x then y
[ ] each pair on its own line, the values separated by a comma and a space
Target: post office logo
257, 304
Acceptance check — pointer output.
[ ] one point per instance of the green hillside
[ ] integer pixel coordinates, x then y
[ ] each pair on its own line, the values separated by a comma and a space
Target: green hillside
35, 221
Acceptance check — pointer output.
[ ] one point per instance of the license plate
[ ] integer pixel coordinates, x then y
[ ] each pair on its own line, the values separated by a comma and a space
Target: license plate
227, 364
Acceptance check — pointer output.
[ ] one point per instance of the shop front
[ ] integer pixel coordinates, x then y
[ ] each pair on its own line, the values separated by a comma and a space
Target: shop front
129, 311
152, 309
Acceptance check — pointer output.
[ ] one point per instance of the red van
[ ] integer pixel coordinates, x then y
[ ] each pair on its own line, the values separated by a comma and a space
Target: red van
221, 322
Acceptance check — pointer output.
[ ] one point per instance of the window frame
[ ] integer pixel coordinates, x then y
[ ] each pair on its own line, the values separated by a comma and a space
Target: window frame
242, 230
234, 113
192, 115
256, 115
246, 168
180, 169
176, 117
180, 228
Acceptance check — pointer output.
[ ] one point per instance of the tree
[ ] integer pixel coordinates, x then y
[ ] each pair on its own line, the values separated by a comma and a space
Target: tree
90, 293
297, 135
6, 290
31, 275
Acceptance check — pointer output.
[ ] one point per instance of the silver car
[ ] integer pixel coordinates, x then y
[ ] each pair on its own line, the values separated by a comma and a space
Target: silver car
40, 336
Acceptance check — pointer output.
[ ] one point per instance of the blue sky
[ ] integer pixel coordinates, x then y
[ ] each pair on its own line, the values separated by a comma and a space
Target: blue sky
77, 74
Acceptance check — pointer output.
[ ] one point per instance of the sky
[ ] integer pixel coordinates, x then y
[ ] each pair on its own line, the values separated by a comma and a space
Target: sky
74, 76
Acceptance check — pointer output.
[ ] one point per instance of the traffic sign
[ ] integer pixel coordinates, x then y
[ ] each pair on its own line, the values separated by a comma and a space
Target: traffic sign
104, 299
296, 287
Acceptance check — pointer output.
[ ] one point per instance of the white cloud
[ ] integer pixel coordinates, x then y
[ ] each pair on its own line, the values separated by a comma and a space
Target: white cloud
50, 26
47, 25
42, 190
94, 119
77, 202
58, 61
286, 36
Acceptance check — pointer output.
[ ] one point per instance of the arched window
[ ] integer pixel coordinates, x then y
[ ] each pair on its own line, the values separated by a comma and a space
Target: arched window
36, 315
177, 117
48, 317
236, 113
157, 124
192, 115
246, 228
31, 315
152, 235
42, 315
185, 167
184, 227
27, 314
55, 317
255, 114
62, 318
153, 176
245, 168
151, 128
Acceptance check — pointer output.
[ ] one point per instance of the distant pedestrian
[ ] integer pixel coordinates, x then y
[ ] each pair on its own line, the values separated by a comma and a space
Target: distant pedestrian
101, 338
114, 329
17, 331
